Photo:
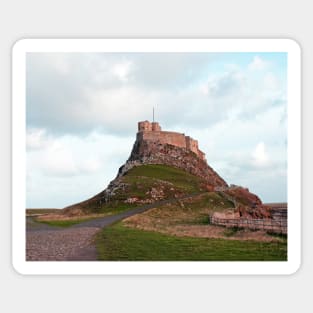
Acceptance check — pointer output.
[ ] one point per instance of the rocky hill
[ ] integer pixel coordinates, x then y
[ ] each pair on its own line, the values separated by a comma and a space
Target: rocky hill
153, 152
162, 165
138, 186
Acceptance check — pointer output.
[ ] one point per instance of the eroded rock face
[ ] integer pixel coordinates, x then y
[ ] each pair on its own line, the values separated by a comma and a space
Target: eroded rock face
154, 152
260, 211
250, 204
243, 195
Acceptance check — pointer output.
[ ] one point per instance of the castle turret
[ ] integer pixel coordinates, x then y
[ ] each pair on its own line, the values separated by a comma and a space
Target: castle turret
156, 126
192, 144
144, 126
147, 126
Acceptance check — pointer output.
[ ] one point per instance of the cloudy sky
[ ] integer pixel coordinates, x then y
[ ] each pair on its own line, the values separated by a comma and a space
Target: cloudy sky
83, 108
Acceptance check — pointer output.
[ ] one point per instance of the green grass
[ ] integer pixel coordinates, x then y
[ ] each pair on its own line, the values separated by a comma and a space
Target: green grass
120, 243
211, 200
177, 177
231, 231
140, 180
64, 223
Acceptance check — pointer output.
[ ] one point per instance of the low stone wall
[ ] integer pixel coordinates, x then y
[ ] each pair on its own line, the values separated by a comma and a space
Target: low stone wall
271, 225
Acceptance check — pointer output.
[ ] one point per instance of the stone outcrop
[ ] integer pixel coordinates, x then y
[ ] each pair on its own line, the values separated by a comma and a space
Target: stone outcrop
243, 195
173, 149
246, 203
259, 211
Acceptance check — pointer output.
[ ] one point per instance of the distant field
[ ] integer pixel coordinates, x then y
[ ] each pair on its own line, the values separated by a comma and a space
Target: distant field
278, 205
41, 211
120, 243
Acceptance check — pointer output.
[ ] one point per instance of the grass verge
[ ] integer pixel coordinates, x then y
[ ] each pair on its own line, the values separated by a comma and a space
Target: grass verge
120, 243
64, 223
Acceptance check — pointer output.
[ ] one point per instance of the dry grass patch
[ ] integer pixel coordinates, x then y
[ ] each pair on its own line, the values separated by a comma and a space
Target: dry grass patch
63, 217
40, 211
190, 218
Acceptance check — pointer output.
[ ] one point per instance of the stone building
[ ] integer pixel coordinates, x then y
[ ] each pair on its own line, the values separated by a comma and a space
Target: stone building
152, 132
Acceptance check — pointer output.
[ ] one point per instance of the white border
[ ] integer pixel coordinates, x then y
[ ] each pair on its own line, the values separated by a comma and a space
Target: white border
155, 45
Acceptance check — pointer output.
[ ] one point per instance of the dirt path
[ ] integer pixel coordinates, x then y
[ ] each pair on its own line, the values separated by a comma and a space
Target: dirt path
76, 243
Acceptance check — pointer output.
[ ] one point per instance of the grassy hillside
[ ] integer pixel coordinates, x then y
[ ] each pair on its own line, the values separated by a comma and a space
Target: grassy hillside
179, 179
190, 217
141, 185
181, 214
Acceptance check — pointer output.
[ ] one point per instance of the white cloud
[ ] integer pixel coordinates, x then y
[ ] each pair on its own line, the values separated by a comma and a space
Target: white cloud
117, 110
59, 162
83, 109
225, 84
249, 152
260, 157
90, 165
271, 82
73, 168
122, 70
112, 92
258, 64
35, 138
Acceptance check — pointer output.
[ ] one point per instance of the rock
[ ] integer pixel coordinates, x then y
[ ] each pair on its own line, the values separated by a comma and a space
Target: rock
148, 152
259, 212
243, 195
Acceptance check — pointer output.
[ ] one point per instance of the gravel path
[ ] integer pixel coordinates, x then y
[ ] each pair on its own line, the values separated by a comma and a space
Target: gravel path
61, 245
76, 243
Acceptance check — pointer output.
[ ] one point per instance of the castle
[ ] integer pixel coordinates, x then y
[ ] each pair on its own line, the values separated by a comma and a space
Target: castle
154, 146
152, 132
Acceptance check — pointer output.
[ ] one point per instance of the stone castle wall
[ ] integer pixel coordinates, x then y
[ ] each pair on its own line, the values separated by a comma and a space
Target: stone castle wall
152, 132
163, 137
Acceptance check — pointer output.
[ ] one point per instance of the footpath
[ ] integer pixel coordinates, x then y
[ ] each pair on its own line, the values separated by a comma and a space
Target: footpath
75, 243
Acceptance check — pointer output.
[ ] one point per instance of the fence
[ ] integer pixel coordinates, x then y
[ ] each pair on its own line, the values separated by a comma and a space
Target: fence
270, 225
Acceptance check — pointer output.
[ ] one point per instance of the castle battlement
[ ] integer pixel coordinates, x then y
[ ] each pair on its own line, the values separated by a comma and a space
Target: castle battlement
152, 132
147, 126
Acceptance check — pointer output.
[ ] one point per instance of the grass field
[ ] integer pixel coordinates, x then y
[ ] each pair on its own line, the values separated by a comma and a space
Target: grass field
64, 223
120, 243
